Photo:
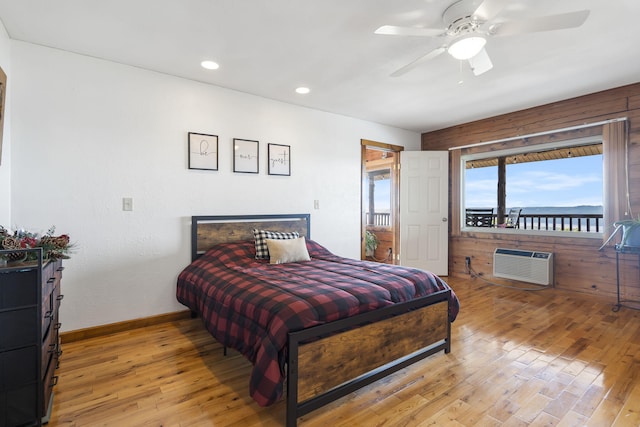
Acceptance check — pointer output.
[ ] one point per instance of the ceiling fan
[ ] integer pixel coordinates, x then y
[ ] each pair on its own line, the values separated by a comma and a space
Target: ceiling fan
467, 27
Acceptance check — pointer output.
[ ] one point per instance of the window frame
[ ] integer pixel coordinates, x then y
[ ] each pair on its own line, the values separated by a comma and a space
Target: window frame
514, 151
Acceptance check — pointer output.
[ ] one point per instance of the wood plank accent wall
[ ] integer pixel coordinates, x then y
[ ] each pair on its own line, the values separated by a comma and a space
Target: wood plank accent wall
579, 266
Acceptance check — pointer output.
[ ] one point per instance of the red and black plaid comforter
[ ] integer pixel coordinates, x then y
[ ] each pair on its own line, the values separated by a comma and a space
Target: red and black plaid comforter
251, 305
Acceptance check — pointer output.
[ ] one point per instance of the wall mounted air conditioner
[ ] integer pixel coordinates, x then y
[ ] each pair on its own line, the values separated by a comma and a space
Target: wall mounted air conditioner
527, 266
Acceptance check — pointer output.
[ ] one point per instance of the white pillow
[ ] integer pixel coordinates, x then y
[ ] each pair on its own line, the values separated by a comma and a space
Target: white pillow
289, 250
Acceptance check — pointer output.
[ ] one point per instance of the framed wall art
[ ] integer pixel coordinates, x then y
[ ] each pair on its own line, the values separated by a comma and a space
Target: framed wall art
203, 151
245, 156
279, 159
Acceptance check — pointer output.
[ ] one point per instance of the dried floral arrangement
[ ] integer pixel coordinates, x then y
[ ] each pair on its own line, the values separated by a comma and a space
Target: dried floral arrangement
53, 247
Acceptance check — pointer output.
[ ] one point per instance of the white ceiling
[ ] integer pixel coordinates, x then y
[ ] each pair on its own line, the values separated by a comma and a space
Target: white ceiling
270, 47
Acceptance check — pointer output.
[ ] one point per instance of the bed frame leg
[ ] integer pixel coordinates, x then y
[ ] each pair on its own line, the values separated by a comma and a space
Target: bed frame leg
224, 350
292, 383
447, 349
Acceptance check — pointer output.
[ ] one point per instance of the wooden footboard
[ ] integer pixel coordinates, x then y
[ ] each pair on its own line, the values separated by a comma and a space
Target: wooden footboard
332, 360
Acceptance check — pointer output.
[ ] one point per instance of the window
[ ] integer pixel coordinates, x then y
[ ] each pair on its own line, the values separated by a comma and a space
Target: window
379, 197
551, 187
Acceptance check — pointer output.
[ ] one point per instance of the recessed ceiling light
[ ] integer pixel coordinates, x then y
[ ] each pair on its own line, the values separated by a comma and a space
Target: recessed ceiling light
210, 65
303, 90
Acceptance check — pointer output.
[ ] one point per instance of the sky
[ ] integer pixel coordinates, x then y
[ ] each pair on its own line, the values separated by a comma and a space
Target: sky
382, 195
575, 181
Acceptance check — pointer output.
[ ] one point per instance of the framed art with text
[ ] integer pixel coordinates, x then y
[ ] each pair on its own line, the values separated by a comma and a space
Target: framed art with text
279, 159
245, 156
203, 151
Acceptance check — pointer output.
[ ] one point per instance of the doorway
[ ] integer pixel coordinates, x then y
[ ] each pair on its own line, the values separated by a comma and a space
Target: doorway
380, 232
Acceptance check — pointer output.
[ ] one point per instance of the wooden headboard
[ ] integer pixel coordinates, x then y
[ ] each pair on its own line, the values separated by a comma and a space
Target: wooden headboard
207, 231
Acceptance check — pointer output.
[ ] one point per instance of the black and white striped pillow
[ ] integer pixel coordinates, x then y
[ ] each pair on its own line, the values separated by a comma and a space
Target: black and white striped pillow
261, 236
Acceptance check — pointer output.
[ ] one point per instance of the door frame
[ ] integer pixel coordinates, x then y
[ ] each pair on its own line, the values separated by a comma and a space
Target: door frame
395, 198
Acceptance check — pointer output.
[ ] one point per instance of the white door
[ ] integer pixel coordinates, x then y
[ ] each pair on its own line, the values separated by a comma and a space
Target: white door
424, 207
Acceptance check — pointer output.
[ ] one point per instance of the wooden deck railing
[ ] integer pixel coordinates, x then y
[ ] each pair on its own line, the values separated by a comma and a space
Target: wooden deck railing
590, 223
381, 219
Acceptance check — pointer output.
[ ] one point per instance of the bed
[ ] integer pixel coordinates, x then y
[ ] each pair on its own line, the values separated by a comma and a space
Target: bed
326, 325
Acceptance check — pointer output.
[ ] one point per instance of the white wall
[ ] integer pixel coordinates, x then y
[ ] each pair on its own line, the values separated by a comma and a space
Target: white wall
5, 161
87, 133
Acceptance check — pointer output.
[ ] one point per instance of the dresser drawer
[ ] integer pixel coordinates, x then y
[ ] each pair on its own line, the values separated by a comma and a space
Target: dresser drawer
18, 328
48, 312
48, 278
57, 269
49, 349
18, 289
18, 367
48, 382
55, 329
18, 407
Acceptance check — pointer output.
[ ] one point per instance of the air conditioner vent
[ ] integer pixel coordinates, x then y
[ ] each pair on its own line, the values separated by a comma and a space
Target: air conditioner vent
527, 266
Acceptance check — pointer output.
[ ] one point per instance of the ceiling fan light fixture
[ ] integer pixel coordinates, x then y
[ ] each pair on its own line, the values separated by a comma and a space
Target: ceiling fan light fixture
466, 47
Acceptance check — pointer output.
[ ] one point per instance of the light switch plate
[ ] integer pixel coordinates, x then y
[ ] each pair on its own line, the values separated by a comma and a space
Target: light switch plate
127, 203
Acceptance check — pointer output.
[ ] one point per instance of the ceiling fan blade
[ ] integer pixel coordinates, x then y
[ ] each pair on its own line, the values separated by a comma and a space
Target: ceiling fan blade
391, 30
480, 63
543, 23
418, 61
489, 9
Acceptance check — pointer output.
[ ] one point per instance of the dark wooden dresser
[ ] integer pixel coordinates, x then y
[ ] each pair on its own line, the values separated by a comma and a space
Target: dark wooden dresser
29, 340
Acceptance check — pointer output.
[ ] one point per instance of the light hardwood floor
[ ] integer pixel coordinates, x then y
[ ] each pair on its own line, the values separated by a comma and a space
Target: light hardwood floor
518, 359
